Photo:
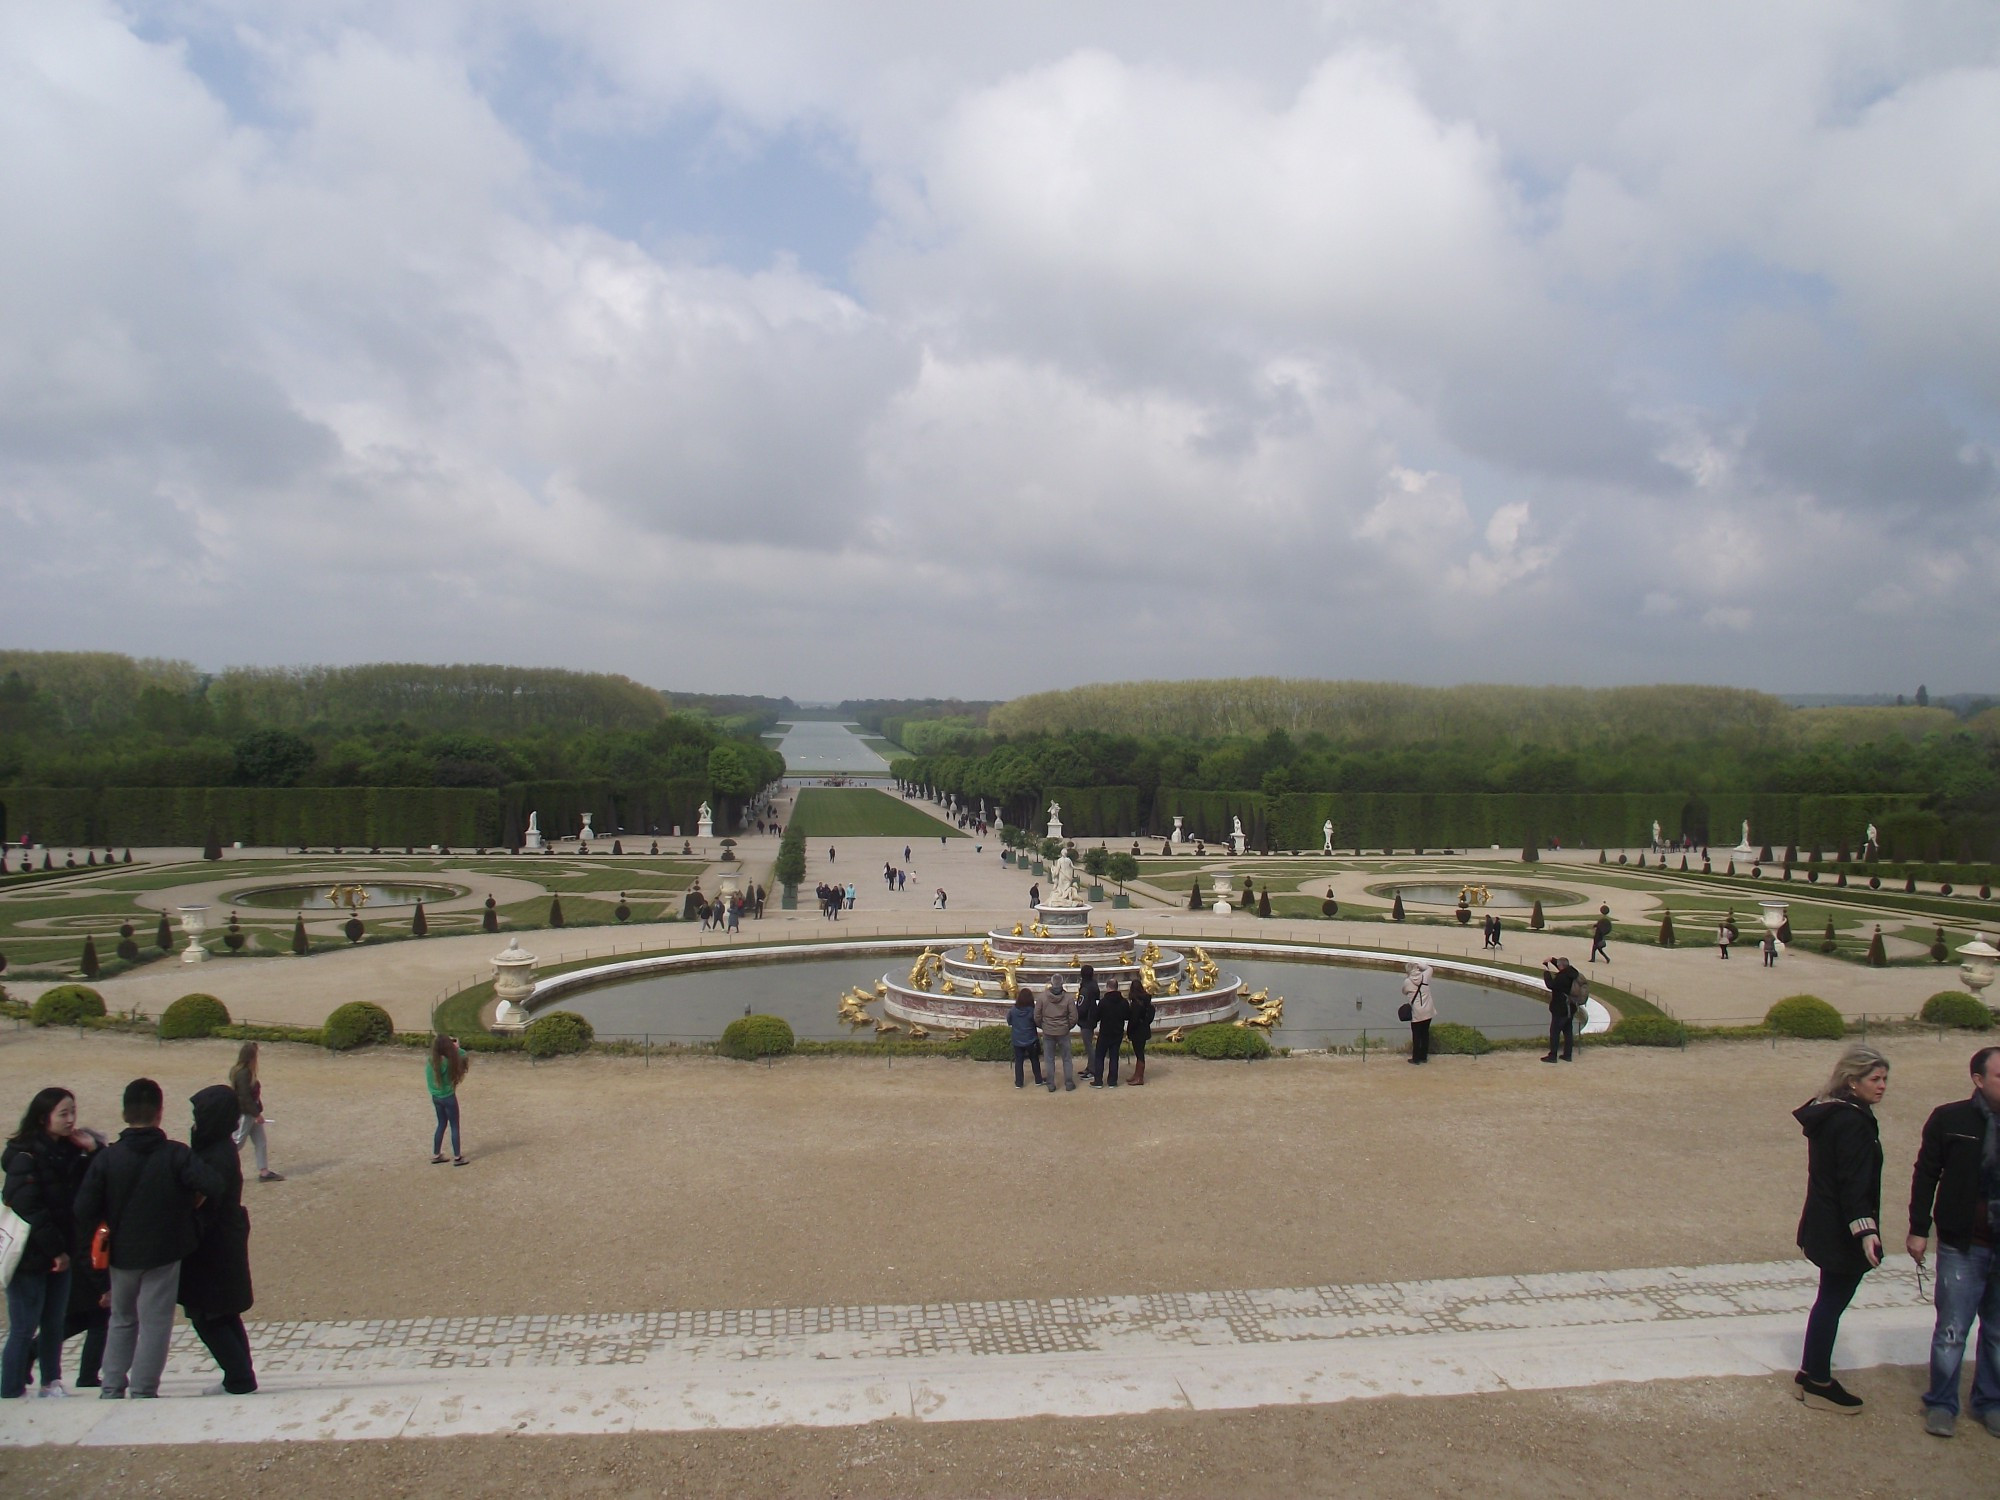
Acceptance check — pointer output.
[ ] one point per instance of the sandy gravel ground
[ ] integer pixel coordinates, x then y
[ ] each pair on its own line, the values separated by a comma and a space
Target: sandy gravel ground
600, 1184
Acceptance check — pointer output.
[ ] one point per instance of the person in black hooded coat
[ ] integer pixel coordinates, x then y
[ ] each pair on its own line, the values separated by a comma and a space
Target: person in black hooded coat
1840, 1228
215, 1280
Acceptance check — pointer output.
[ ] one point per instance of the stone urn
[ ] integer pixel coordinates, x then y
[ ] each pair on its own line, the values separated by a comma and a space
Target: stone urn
1775, 914
194, 922
513, 983
1222, 887
1977, 970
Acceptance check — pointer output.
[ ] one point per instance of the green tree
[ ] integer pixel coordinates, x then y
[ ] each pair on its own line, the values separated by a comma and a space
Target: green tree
273, 757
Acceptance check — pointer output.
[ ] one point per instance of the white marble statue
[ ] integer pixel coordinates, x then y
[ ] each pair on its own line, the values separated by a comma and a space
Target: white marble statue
1063, 889
1236, 835
1326, 837
1055, 820
533, 839
1656, 833
704, 823
1745, 844
1872, 841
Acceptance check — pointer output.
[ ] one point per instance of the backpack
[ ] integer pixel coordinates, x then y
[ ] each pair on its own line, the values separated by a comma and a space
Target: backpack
1579, 992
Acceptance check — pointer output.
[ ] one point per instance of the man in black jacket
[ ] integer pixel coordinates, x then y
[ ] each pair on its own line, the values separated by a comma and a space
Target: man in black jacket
145, 1187
1956, 1187
1560, 977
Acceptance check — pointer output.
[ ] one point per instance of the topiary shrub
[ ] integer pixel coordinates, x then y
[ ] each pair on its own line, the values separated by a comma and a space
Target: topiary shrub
89, 963
163, 935
990, 1044
192, 1016
354, 929
419, 923
556, 1033
1827, 941
357, 1024
489, 920
1264, 902
1194, 897
749, 1037
1956, 1008
1806, 1016
1463, 1041
301, 944
1396, 911
1939, 953
555, 911
1219, 1040
234, 938
65, 1005
127, 948
1878, 954
1649, 1031
1463, 913
1535, 920
1666, 929
1529, 854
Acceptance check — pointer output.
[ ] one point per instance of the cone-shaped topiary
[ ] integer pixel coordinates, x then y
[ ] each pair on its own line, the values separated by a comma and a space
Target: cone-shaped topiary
1878, 956
233, 938
1264, 902
128, 857
1535, 921
1530, 854
419, 923
1396, 910
1601, 859
1909, 885
90, 859
90, 965
1827, 941
211, 847
616, 848
163, 937
555, 911
1684, 864
1194, 897
300, 943
1666, 929
489, 920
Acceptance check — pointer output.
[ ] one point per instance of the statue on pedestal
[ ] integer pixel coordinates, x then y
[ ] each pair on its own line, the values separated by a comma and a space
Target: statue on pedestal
1055, 820
1063, 889
1326, 837
704, 823
533, 839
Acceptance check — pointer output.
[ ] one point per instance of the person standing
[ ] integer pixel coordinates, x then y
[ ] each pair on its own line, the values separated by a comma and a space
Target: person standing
1055, 1015
1559, 975
1139, 1028
143, 1186
1955, 1189
1840, 1227
44, 1162
215, 1277
1034, 895
1423, 1010
1725, 933
1027, 1040
1088, 997
850, 895
1770, 950
442, 1075
250, 1108
1113, 1015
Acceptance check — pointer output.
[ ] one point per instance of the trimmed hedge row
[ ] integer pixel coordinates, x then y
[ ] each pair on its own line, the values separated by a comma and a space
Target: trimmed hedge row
1806, 1016
750, 1037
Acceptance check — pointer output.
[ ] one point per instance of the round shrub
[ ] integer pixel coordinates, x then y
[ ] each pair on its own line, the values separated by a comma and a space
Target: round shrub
356, 1024
557, 1032
65, 1005
990, 1044
1467, 1041
1956, 1008
1806, 1016
193, 1015
1219, 1040
1649, 1031
749, 1037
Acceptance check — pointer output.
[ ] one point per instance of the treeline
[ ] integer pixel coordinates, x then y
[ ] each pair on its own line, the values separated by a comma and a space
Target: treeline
885, 716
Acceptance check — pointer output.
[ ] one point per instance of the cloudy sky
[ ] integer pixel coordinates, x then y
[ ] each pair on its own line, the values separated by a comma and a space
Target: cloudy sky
928, 347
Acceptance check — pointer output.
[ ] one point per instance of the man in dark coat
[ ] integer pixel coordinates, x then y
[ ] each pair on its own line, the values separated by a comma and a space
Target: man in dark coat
144, 1186
1087, 1001
1560, 977
215, 1279
1139, 1027
1112, 1015
1956, 1190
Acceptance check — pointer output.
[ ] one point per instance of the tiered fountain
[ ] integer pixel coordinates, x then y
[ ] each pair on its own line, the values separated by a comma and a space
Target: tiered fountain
961, 990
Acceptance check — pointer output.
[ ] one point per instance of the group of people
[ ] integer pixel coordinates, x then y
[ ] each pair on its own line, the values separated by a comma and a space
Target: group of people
1954, 1197
120, 1233
1106, 1016
833, 898
726, 912
1489, 927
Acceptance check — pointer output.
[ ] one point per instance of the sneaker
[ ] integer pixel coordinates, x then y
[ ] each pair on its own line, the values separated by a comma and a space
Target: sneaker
1938, 1422
270, 1177
106, 1393
1990, 1420
54, 1388
1551, 1058
1829, 1395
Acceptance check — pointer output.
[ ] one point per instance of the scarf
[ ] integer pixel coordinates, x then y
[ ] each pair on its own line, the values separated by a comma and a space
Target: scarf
1989, 1166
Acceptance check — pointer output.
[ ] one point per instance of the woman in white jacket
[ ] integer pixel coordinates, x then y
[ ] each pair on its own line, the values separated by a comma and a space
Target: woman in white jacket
1423, 1010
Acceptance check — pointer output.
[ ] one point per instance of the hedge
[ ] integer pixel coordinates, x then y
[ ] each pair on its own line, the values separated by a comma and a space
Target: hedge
1465, 1041
1649, 1031
1096, 811
749, 1037
558, 1032
1221, 1040
990, 1044
192, 1016
1956, 1008
356, 1024
1208, 815
65, 1005
1806, 1016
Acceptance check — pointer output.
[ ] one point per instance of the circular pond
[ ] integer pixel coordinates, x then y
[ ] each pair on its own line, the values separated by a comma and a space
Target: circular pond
1505, 897
321, 897
1326, 1004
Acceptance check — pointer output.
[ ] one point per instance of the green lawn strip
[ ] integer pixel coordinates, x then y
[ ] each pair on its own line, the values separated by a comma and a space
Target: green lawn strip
863, 812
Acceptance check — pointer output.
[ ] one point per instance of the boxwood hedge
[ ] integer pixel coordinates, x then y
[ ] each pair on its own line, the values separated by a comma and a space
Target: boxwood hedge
990, 1044
557, 1032
1219, 1040
1649, 1031
1806, 1016
65, 1005
357, 1024
1451, 1037
192, 1016
750, 1037
1956, 1008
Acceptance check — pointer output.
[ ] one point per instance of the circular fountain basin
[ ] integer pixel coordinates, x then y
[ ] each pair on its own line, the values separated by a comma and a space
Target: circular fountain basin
1500, 897
319, 897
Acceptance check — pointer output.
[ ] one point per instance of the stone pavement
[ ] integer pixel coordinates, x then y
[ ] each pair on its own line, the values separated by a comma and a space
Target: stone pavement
985, 1361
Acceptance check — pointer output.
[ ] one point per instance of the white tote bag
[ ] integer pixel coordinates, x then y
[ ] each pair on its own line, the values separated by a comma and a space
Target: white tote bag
13, 1240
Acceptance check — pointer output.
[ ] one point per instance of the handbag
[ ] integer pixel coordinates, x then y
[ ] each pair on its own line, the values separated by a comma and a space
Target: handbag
13, 1241
1403, 1011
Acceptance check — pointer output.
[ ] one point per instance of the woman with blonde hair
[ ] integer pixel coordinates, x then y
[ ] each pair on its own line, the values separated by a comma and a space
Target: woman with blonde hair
1840, 1229
250, 1110
443, 1074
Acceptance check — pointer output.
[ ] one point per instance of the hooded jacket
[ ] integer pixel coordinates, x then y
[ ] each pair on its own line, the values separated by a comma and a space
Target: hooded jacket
1113, 1013
1021, 1023
1139, 1020
1843, 1183
1055, 1013
143, 1185
215, 1277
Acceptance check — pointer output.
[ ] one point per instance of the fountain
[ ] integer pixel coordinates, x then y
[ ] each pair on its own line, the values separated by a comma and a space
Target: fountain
963, 990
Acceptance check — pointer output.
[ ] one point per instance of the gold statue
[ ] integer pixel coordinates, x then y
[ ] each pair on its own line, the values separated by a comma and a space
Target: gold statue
1125, 957
1017, 929
1010, 976
978, 990
1109, 930
1178, 1034
1153, 953
1146, 973
1174, 988
924, 972
917, 1033
987, 949
972, 953
947, 988
886, 1026
1088, 930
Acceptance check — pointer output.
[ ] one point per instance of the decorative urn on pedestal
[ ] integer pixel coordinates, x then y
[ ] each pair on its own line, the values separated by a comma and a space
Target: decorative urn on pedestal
513, 983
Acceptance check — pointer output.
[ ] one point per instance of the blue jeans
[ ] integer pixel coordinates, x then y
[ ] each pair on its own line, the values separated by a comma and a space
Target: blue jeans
1968, 1285
447, 1113
36, 1300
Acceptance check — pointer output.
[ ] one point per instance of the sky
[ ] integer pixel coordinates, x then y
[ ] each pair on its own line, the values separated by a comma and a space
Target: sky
905, 348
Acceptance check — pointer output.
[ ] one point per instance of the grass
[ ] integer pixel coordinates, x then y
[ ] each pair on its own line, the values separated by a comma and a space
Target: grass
863, 812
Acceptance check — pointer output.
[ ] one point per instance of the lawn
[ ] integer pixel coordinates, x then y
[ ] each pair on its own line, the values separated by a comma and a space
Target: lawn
862, 812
